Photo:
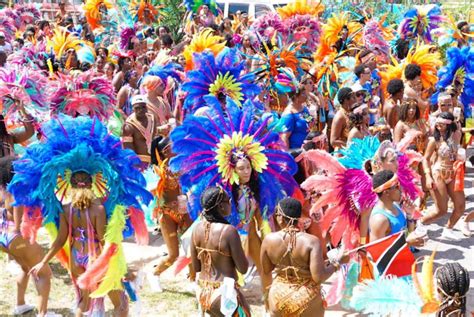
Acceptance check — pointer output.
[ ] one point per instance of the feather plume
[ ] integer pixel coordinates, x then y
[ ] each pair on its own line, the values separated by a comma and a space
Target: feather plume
180, 264
386, 297
96, 271
203, 41
429, 63
137, 218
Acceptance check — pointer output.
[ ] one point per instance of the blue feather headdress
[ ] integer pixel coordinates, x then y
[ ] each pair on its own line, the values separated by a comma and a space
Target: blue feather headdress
359, 152
42, 175
220, 75
204, 146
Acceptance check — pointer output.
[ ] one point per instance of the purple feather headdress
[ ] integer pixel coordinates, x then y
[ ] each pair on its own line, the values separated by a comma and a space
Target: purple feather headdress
267, 25
420, 21
12, 15
305, 27
126, 35
373, 38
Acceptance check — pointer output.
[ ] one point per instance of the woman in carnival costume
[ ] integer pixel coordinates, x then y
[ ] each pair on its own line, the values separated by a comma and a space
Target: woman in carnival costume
84, 182
25, 252
232, 147
171, 209
217, 254
445, 178
297, 259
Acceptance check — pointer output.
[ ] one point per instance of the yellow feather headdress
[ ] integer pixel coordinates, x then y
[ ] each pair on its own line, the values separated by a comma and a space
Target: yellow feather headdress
334, 25
93, 13
429, 62
62, 40
301, 7
201, 42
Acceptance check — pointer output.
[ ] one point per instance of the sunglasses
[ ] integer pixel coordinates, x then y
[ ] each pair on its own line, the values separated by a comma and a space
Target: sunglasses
360, 94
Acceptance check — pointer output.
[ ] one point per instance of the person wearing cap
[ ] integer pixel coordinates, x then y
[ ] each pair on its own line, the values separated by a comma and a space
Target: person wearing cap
340, 123
4, 46
139, 129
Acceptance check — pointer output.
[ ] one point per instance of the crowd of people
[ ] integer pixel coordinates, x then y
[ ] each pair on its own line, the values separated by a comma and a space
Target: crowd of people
305, 142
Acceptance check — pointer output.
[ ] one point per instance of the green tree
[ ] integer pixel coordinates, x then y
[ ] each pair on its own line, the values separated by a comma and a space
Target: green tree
172, 15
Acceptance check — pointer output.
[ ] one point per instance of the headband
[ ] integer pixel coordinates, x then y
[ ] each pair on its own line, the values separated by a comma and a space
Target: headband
360, 109
444, 121
280, 212
218, 200
392, 182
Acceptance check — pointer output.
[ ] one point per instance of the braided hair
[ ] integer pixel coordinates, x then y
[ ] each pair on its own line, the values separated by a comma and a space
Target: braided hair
211, 200
453, 284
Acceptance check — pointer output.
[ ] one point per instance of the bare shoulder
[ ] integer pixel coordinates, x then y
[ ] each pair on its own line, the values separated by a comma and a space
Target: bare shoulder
97, 208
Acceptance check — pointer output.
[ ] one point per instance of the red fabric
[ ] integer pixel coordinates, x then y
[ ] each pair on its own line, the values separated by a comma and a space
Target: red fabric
392, 255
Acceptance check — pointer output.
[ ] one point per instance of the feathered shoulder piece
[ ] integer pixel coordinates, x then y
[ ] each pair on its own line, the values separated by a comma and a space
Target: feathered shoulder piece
87, 94
207, 148
429, 62
420, 21
23, 90
220, 76
204, 41
69, 145
301, 7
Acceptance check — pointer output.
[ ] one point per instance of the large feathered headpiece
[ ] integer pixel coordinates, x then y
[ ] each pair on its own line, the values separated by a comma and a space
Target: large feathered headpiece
145, 11
22, 88
62, 40
7, 26
223, 75
334, 25
95, 11
428, 61
28, 13
87, 94
269, 25
204, 41
421, 20
207, 149
374, 39
43, 175
301, 7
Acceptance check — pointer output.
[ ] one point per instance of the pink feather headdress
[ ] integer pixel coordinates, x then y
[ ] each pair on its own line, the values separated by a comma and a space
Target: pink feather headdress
373, 38
346, 192
23, 88
28, 13
88, 93
304, 27
7, 26
12, 15
126, 34
269, 25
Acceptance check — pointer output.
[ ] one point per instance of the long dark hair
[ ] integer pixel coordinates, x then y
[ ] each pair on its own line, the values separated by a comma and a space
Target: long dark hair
453, 284
253, 182
157, 147
450, 128
406, 104
211, 200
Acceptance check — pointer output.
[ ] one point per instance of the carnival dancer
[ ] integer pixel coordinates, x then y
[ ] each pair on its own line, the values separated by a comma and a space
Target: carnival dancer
84, 182
139, 130
358, 122
171, 211
391, 107
445, 178
410, 119
297, 259
217, 255
241, 155
26, 253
